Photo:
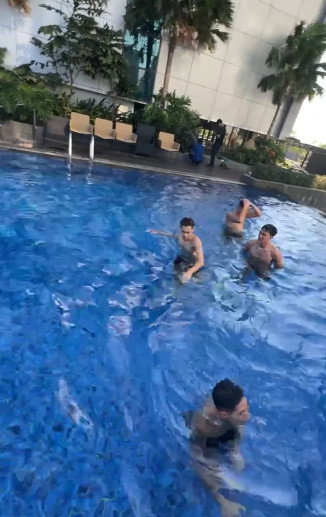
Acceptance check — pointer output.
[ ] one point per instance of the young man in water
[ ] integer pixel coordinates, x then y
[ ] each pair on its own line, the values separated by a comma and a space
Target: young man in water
262, 254
191, 256
235, 220
215, 428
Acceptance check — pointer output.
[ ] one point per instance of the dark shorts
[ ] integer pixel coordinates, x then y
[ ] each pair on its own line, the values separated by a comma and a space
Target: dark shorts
228, 232
181, 264
221, 443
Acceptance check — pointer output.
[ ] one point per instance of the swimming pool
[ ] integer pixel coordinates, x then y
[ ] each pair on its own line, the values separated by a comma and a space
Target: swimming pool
91, 320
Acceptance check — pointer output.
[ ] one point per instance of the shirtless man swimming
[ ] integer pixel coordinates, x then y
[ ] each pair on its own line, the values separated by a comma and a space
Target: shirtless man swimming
191, 257
216, 427
235, 220
262, 254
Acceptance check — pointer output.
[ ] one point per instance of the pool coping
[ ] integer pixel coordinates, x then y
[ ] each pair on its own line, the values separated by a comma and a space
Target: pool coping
118, 163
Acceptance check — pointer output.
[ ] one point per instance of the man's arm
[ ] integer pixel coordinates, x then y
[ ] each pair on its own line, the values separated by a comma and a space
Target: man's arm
213, 479
159, 232
199, 261
253, 211
278, 259
233, 217
248, 245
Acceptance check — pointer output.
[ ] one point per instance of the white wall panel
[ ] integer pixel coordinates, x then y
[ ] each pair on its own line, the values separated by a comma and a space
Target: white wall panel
204, 99
290, 7
205, 70
251, 17
225, 107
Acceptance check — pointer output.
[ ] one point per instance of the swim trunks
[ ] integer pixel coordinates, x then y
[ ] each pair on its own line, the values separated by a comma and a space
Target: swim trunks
229, 232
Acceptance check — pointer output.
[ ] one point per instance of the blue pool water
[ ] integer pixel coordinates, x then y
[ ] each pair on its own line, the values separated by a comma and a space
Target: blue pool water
101, 351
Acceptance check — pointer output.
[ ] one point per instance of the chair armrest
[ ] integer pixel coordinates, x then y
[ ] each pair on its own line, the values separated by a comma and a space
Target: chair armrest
176, 146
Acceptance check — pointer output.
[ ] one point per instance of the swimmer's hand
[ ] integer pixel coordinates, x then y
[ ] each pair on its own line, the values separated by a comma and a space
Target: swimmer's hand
186, 277
230, 509
237, 461
150, 230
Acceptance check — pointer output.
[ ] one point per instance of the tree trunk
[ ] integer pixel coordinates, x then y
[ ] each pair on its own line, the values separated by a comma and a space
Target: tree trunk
172, 46
274, 120
149, 51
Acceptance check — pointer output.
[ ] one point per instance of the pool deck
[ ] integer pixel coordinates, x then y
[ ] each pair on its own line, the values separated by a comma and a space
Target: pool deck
181, 167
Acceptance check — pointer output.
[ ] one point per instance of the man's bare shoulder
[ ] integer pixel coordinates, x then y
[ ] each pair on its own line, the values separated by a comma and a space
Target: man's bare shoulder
250, 244
209, 410
196, 241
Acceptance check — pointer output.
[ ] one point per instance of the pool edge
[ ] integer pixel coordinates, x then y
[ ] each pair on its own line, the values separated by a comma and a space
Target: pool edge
122, 164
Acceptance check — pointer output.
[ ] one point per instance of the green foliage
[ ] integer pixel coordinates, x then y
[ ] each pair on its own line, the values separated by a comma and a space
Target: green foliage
95, 109
267, 151
22, 92
177, 118
143, 18
197, 22
289, 177
280, 175
296, 64
319, 182
80, 44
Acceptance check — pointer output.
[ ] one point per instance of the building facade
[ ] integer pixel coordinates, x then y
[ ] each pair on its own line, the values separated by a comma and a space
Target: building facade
222, 84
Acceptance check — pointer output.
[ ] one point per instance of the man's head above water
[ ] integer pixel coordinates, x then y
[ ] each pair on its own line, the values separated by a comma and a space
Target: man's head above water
187, 226
267, 232
230, 402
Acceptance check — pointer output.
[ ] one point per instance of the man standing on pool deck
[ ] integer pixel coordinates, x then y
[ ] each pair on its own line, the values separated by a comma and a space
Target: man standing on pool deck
217, 141
235, 220
191, 257
262, 254
218, 426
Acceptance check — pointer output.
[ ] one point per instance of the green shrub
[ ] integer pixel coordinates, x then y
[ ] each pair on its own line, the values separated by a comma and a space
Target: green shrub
266, 151
171, 114
288, 176
95, 109
319, 182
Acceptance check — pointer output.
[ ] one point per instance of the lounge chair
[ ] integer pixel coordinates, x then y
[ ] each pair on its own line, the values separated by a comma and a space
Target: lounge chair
125, 134
81, 124
103, 129
145, 140
166, 142
55, 133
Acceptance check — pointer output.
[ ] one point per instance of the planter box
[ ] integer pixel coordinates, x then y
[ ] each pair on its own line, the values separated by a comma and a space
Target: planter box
305, 196
17, 133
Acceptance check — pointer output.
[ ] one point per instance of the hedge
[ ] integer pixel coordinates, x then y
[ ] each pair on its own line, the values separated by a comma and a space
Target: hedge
288, 176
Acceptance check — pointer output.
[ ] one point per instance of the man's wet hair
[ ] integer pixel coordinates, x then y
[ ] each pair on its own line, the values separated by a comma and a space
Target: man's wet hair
270, 228
219, 121
241, 203
227, 395
187, 221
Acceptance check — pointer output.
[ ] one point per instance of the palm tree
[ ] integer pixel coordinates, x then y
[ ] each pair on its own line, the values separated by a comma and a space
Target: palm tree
194, 23
144, 18
297, 67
